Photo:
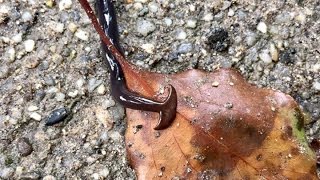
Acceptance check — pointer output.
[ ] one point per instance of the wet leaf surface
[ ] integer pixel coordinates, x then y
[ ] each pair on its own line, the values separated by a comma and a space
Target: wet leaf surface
225, 128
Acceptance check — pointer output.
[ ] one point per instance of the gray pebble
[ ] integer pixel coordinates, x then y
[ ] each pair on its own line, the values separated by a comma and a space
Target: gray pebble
24, 147
49, 81
4, 71
44, 65
185, 48
93, 84
145, 27
6, 173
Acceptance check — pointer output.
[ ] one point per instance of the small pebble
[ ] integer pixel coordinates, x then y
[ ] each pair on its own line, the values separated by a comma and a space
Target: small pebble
12, 54
153, 7
33, 108
73, 94
109, 103
168, 21
231, 13
4, 71
181, 34
274, 52
149, 48
316, 86
185, 48
101, 89
60, 97
228, 105
72, 27
6, 172
17, 38
192, 8
49, 177
30, 175
50, 3
93, 84
65, 4
82, 35
191, 23
265, 57
24, 147
36, 116
208, 17
226, 5
56, 27
262, 27
57, 116
26, 16
215, 84
145, 27
29, 45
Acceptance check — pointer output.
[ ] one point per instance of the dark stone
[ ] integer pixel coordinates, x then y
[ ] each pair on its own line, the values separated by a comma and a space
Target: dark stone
286, 56
24, 147
218, 40
57, 116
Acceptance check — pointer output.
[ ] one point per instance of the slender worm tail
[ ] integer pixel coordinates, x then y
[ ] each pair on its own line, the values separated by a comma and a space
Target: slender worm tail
119, 90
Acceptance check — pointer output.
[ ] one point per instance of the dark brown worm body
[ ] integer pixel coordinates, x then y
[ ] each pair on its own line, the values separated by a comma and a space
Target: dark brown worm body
119, 90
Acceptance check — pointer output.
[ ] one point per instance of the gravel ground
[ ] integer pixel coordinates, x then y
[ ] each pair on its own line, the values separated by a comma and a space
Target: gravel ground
50, 59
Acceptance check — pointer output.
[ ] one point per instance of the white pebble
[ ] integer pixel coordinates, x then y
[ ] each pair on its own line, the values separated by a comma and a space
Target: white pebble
57, 27
208, 17
262, 27
231, 13
153, 7
12, 54
82, 35
32, 108
29, 45
316, 86
101, 89
181, 34
17, 38
73, 93
168, 21
65, 4
191, 23
26, 16
265, 57
145, 27
149, 48
80, 83
274, 52
35, 116
49, 177
60, 97
192, 8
